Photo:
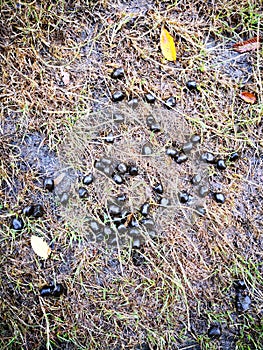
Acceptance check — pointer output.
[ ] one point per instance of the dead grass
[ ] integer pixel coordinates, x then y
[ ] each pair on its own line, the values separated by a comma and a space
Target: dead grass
186, 281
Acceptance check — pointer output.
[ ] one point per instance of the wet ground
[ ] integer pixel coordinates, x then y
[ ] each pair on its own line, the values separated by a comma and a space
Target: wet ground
147, 256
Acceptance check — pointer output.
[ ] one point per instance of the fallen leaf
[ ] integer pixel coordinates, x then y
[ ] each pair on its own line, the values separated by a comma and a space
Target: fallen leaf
167, 45
65, 77
40, 247
59, 178
248, 45
248, 97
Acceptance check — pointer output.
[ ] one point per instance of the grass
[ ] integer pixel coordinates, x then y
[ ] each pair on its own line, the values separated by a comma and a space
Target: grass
186, 282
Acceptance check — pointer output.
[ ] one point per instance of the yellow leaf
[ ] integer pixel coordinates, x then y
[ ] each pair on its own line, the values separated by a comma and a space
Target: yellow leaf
40, 247
167, 45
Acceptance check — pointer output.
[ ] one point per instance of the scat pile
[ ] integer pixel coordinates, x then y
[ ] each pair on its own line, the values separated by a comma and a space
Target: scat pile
86, 150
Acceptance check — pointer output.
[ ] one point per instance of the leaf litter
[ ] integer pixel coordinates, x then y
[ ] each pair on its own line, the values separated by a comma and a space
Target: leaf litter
40, 247
167, 45
248, 45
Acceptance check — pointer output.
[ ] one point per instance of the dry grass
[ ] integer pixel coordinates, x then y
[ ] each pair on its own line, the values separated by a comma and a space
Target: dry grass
186, 281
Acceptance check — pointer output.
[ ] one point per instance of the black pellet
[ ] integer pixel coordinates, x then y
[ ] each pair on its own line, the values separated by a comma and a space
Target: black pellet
38, 211
117, 179
83, 193
220, 164
219, 198
181, 158
88, 179
118, 96
170, 102
29, 210
17, 224
191, 85
150, 98
118, 73
145, 209
158, 188
48, 184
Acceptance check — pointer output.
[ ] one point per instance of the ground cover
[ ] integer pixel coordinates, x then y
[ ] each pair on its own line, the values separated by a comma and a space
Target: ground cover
186, 269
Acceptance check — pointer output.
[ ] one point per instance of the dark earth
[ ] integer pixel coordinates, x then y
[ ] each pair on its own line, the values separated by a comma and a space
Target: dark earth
144, 176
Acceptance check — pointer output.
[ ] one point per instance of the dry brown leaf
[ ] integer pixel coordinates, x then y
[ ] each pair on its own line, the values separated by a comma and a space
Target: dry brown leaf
59, 178
248, 97
40, 247
248, 45
167, 45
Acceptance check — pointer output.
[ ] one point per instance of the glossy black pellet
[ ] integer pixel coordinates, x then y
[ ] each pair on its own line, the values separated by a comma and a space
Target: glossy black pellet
118, 96
158, 188
133, 170
150, 98
145, 209
53, 291
48, 184
155, 127
195, 139
181, 158
83, 193
214, 332
219, 197
118, 73
233, 157
122, 168
183, 197
207, 157
88, 179
17, 224
191, 85
29, 210
117, 179
46, 291
171, 152
220, 164
58, 290
109, 138
38, 211
170, 102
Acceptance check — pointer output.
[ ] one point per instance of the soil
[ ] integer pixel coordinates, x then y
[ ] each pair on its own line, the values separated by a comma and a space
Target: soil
163, 276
